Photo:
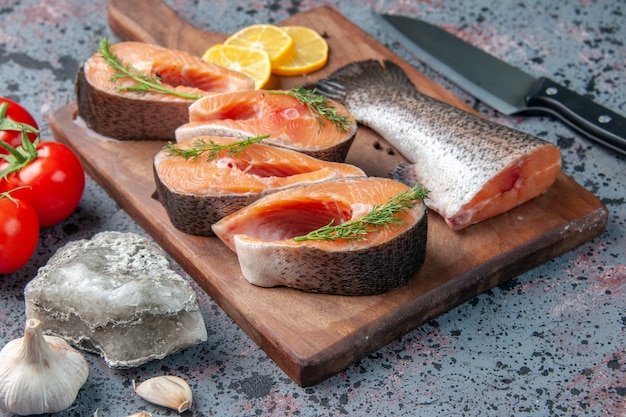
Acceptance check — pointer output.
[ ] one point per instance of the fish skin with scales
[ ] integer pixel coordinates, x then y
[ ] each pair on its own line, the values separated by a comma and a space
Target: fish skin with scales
474, 168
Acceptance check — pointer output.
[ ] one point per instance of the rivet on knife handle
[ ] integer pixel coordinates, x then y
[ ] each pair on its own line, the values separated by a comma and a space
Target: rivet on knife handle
584, 115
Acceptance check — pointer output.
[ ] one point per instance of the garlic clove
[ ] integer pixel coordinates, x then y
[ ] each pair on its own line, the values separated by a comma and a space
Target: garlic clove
168, 391
142, 413
40, 374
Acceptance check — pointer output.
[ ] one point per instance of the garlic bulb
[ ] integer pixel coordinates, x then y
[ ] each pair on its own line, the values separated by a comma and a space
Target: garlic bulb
168, 390
40, 374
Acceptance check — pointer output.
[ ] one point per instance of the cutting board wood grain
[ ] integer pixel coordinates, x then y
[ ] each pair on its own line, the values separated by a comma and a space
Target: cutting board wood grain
311, 336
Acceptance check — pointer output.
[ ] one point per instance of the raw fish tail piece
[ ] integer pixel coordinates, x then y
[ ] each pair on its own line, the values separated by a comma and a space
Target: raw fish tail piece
474, 168
262, 234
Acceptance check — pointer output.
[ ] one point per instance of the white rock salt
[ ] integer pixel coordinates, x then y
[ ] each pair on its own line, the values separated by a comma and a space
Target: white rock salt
116, 295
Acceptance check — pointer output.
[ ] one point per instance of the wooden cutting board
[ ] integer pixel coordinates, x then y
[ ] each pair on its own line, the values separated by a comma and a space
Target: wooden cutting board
310, 336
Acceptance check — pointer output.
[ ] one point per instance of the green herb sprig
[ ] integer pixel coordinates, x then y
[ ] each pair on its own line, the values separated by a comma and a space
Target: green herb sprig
211, 149
381, 217
145, 83
319, 106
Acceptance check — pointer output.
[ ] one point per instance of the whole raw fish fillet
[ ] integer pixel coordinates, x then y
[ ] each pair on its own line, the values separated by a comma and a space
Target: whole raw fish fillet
290, 123
474, 168
262, 234
129, 115
197, 192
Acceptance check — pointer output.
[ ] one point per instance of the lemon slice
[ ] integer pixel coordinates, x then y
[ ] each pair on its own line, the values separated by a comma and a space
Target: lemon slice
311, 52
252, 62
269, 38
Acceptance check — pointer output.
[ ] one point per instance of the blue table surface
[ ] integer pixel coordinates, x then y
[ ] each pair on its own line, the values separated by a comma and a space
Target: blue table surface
550, 342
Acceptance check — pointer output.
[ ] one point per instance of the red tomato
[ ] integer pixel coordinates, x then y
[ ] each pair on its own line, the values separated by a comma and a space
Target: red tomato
19, 114
19, 233
52, 183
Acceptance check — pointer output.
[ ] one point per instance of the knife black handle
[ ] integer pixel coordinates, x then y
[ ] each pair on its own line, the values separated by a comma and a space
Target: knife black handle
583, 114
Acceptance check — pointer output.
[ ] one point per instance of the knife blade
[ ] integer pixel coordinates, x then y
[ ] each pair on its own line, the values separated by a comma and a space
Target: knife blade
504, 87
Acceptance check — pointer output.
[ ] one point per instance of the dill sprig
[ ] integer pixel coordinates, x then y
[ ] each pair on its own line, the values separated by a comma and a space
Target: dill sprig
145, 83
381, 217
201, 147
319, 106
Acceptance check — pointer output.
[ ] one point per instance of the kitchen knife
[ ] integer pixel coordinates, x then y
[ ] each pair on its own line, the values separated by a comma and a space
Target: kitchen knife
507, 89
